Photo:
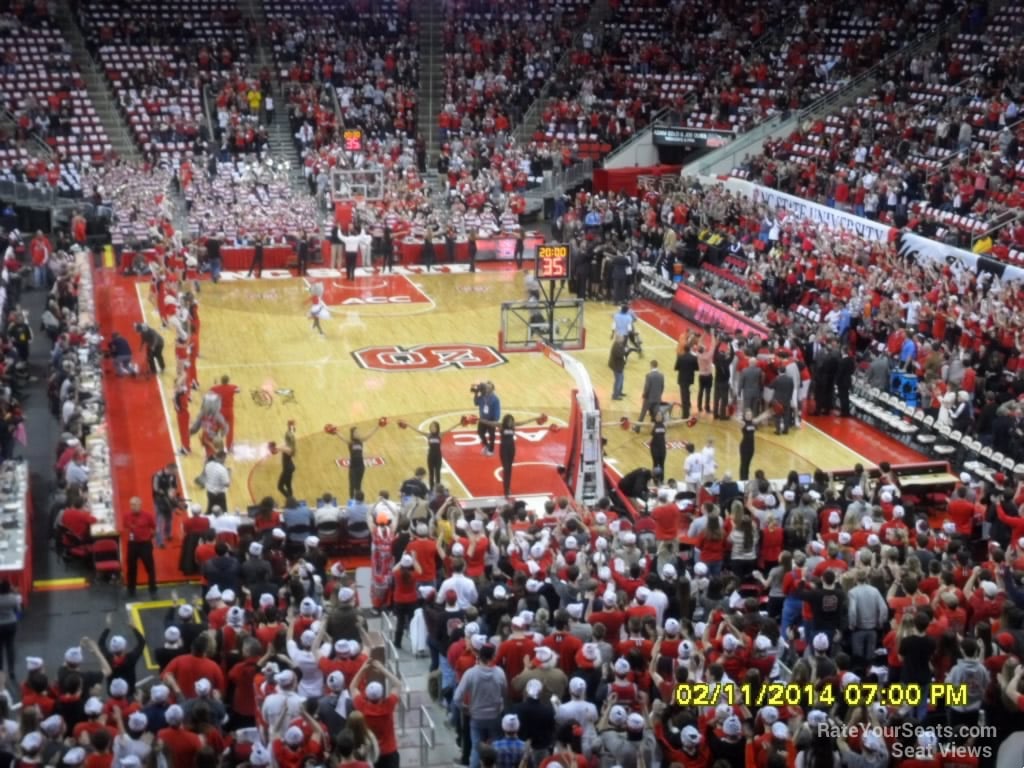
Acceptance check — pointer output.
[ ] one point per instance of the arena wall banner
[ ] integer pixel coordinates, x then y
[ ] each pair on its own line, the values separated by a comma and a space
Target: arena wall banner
805, 209
922, 249
695, 138
705, 312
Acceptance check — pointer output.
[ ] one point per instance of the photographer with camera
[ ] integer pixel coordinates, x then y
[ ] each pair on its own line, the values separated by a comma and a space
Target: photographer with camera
490, 414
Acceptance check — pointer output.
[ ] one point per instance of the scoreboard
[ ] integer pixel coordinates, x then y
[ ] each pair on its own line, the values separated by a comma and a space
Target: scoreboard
552, 261
352, 139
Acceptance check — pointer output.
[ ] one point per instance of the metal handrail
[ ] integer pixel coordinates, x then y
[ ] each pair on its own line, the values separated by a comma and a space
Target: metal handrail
1015, 216
658, 118
33, 136
427, 722
404, 700
427, 743
825, 103
392, 652
744, 141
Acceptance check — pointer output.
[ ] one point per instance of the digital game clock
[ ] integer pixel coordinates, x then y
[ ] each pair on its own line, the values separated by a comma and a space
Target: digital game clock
352, 139
552, 261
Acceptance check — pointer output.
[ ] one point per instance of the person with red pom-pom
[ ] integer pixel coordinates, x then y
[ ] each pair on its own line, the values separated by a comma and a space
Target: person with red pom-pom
434, 459
507, 447
284, 481
356, 464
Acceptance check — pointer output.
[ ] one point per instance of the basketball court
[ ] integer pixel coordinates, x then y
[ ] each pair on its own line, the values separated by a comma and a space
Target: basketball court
409, 346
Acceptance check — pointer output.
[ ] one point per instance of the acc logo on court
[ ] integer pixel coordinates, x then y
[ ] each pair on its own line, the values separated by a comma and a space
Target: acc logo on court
428, 357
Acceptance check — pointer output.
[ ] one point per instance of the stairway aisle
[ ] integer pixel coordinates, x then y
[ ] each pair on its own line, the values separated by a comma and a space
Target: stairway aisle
600, 10
96, 83
429, 17
424, 737
279, 136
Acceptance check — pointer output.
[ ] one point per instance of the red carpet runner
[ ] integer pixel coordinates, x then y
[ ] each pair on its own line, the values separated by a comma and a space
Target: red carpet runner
139, 439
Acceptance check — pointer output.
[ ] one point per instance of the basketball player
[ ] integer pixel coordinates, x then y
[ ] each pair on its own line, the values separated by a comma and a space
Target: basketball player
434, 459
507, 448
181, 400
356, 462
284, 482
226, 391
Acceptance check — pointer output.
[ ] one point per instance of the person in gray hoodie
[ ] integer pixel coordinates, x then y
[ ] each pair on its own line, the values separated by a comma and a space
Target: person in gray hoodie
485, 686
969, 672
868, 614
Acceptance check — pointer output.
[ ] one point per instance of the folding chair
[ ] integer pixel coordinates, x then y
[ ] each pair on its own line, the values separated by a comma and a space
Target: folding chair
106, 559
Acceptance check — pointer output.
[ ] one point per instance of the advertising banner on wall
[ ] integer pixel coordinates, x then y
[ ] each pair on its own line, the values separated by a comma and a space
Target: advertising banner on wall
922, 249
694, 138
808, 211
702, 310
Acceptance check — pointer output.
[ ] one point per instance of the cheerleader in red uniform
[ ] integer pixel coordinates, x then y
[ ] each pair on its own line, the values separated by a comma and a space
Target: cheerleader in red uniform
193, 356
181, 354
193, 321
181, 401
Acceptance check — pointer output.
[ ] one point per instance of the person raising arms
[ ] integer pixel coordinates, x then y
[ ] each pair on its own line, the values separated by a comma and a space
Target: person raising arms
434, 458
356, 463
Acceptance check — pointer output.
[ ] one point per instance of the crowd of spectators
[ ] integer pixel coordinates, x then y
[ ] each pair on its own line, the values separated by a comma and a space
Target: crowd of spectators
246, 199
935, 147
159, 59
726, 69
957, 330
240, 100
346, 64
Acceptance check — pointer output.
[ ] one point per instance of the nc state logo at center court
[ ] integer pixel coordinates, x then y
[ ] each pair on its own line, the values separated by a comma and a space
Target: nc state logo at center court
428, 357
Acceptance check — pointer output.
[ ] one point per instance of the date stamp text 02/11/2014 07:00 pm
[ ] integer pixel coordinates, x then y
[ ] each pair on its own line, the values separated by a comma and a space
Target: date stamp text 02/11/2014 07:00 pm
809, 694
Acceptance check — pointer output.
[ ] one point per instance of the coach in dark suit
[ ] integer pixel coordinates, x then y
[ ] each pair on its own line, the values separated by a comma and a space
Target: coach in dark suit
654, 390
686, 370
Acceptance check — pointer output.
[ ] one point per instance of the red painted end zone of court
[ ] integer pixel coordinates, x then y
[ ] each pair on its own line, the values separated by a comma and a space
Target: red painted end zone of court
369, 291
539, 453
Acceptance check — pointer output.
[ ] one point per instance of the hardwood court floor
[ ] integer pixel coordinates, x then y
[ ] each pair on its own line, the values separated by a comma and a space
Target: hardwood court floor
427, 333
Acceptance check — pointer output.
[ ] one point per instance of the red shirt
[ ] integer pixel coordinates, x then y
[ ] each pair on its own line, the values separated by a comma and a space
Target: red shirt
188, 669
226, 393
565, 645
104, 760
612, 620
425, 551
666, 522
771, 544
380, 718
512, 654
405, 586
241, 677
475, 561
711, 550
182, 746
141, 526
961, 512
286, 757
77, 521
